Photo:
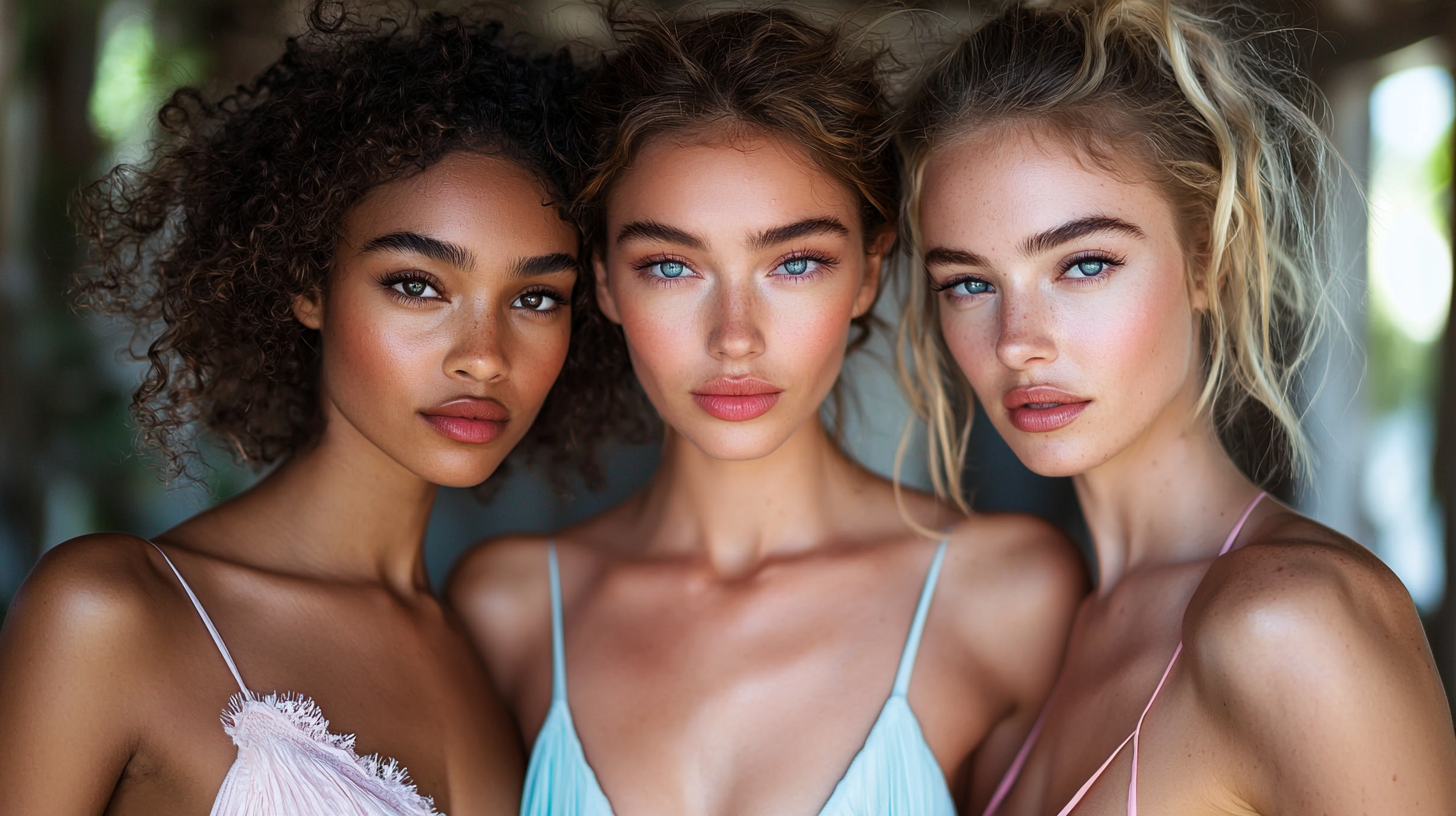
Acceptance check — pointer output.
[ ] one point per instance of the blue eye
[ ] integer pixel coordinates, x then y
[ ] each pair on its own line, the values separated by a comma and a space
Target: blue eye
796, 267
1088, 268
670, 269
971, 287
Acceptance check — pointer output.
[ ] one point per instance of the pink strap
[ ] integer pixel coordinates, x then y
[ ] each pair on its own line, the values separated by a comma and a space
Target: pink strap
1004, 789
206, 621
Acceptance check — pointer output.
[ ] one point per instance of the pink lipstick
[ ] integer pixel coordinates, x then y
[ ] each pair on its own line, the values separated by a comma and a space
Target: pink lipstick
737, 399
469, 419
1040, 409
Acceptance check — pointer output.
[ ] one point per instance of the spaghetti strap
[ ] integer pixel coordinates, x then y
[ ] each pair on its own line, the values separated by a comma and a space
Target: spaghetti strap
917, 627
558, 637
206, 621
1014, 772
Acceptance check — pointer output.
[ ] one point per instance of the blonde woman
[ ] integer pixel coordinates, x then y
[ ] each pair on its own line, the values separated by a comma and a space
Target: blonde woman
1117, 205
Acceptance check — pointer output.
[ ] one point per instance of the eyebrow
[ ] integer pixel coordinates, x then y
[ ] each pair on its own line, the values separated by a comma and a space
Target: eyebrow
432, 248
798, 229
654, 231
1072, 230
944, 256
543, 265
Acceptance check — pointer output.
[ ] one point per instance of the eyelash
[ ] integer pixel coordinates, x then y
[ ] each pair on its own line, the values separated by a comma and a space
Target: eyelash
561, 300
1107, 259
825, 263
395, 278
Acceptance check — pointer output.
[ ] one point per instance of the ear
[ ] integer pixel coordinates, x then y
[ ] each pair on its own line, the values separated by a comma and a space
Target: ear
605, 301
869, 287
308, 309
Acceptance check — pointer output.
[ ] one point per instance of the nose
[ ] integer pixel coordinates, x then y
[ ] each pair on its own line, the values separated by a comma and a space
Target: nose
477, 347
735, 334
1025, 338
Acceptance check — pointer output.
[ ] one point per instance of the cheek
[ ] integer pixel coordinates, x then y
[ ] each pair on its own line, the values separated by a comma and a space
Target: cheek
970, 334
369, 356
538, 352
662, 333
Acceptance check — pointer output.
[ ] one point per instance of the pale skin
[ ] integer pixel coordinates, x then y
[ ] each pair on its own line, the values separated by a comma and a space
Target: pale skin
732, 631
451, 283
1305, 686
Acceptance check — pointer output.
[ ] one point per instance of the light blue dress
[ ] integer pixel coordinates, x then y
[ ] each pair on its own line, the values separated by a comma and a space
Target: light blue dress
894, 774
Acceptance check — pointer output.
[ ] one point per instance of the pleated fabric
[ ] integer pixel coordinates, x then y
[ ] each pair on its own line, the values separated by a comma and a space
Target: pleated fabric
289, 764
894, 774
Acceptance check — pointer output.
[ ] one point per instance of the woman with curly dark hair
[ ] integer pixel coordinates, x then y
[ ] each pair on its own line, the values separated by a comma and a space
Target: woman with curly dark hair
733, 632
356, 270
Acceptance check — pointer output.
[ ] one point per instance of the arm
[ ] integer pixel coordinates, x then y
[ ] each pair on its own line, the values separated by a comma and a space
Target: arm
1311, 659
501, 592
1025, 590
69, 657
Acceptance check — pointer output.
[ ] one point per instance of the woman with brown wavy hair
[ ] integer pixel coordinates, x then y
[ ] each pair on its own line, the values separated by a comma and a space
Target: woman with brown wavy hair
742, 635
350, 270
1119, 206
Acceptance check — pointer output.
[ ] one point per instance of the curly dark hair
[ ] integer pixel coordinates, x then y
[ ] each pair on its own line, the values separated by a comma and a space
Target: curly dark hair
204, 247
768, 70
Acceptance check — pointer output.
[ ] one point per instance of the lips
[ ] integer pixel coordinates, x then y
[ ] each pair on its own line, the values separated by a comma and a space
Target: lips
1040, 409
470, 420
737, 399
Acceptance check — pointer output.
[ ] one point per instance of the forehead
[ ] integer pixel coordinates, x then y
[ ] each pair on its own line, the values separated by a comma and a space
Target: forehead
728, 183
1025, 180
484, 201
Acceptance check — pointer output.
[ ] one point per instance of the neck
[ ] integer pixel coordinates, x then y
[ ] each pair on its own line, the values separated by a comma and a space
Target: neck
740, 514
1169, 498
342, 510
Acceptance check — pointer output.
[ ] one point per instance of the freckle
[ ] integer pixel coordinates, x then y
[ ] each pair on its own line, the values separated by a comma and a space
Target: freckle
1392, 777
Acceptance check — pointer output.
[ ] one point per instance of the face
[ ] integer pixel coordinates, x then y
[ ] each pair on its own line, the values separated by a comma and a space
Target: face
735, 268
446, 319
1063, 296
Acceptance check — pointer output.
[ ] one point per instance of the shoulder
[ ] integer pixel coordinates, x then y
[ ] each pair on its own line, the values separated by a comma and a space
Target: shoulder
1012, 584
104, 585
1022, 561
501, 590
93, 610
1302, 617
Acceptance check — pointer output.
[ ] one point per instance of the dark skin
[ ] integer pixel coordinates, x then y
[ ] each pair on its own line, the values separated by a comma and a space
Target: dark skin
732, 632
110, 687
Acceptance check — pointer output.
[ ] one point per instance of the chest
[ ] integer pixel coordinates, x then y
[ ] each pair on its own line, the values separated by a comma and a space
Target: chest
1116, 661
701, 699
405, 687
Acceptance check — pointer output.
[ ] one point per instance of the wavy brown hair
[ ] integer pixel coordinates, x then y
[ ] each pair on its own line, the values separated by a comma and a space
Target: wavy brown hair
768, 70
240, 206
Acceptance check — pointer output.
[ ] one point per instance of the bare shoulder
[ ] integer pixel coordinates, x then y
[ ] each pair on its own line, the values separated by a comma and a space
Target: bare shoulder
96, 588
1013, 583
501, 590
1300, 602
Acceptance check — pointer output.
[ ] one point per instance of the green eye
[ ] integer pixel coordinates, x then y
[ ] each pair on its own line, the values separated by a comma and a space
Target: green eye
415, 288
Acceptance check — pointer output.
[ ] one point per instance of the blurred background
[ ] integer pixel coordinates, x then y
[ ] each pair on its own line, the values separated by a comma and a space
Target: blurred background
81, 80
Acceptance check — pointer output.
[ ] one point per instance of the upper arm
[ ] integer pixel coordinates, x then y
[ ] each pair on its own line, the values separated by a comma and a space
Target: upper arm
1023, 588
1314, 662
501, 591
73, 648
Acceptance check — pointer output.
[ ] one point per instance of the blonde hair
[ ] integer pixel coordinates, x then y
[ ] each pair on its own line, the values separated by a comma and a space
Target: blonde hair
1222, 129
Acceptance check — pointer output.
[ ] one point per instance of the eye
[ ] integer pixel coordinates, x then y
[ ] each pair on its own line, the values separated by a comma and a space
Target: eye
1087, 268
669, 269
537, 301
415, 288
798, 266
971, 286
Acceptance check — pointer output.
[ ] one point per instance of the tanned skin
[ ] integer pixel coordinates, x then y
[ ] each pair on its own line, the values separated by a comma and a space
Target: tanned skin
1306, 686
732, 631
111, 689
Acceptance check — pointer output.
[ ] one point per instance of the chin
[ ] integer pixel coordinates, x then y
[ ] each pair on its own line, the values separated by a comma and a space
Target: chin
735, 442
1052, 456
455, 469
